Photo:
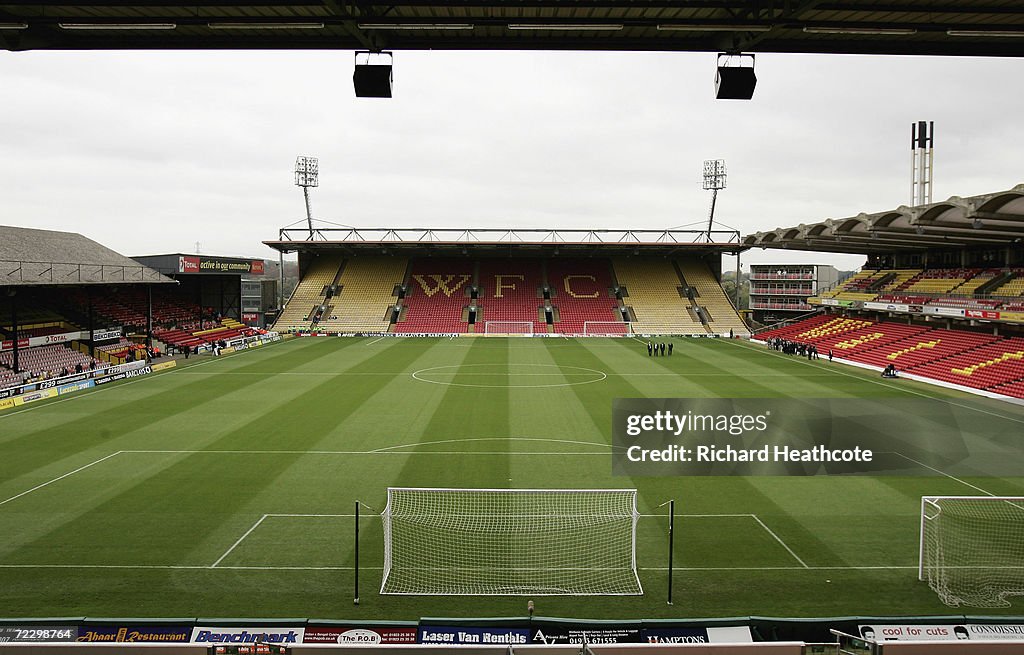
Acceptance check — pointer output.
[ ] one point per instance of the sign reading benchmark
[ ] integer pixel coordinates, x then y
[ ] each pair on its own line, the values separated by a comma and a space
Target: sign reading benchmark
787, 436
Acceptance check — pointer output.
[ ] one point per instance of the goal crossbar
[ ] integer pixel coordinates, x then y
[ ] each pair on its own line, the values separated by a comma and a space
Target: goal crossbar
508, 327
451, 541
606, 328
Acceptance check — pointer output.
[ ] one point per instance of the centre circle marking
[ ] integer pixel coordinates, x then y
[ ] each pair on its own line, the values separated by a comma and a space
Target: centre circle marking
593, 375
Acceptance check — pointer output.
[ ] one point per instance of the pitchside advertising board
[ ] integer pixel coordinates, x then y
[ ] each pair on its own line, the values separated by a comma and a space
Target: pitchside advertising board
134, 634
361, 636
582, 633
247, 635
964, 632
202, 264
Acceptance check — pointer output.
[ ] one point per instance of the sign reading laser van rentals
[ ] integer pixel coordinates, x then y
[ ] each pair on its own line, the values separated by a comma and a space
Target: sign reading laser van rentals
430, 634
247, 635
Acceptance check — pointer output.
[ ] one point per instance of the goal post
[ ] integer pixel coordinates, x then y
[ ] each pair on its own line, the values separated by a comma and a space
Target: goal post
972, 549
477, 542
508, 327
607, 328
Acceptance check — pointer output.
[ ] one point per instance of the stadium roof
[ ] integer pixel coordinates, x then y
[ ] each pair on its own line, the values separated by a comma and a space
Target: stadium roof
30, 257
456, 242
913, 27
993, 219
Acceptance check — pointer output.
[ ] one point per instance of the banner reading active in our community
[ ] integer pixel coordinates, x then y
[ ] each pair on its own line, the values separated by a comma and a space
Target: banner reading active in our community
811, 436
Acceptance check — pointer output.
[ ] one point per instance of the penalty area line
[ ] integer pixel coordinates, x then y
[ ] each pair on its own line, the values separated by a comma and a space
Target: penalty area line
59, 478
240, 540
779, 539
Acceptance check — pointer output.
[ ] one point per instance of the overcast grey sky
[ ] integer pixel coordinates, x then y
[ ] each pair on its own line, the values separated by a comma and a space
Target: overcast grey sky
154, 151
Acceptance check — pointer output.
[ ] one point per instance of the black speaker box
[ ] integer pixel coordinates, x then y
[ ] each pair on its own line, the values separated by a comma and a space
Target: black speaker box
372, 80
735, 83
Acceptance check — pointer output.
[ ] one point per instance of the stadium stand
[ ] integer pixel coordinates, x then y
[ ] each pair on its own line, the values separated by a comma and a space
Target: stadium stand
358, 295
227, 330
997, 363
971, 359
510, 290
580, 291
978, 278
437, 296
128, 307
366, 295
1012, 287
309, 295
45, 361
935, 281
655, 297
721, 314
867, 284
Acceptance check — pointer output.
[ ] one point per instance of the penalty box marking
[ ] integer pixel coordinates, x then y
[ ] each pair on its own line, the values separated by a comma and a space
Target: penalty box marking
374, 516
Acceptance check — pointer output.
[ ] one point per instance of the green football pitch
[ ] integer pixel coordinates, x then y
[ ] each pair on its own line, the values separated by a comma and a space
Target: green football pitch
226, 487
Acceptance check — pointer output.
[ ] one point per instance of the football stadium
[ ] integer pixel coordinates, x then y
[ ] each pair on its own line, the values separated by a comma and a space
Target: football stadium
518, 438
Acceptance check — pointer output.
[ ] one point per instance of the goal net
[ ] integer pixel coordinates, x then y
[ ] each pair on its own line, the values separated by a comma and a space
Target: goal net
972, 549
510, 542
607, 328
508, 327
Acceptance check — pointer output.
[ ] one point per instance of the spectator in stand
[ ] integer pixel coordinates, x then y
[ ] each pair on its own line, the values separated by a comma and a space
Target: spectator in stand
78, 367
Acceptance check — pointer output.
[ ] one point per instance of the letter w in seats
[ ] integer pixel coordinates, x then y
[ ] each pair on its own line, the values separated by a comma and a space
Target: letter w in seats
448, 284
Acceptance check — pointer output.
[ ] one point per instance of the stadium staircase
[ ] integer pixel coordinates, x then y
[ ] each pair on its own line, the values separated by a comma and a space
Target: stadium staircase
717, 308
1013, 286
365, 297
438, 292
309, 295
580, 289
655, 298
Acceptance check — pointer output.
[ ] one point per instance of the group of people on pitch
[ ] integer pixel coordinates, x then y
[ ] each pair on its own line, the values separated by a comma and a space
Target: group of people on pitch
786, 347
658, 349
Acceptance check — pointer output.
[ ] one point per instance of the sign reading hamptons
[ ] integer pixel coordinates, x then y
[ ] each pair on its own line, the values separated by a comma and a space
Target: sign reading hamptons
809, 436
